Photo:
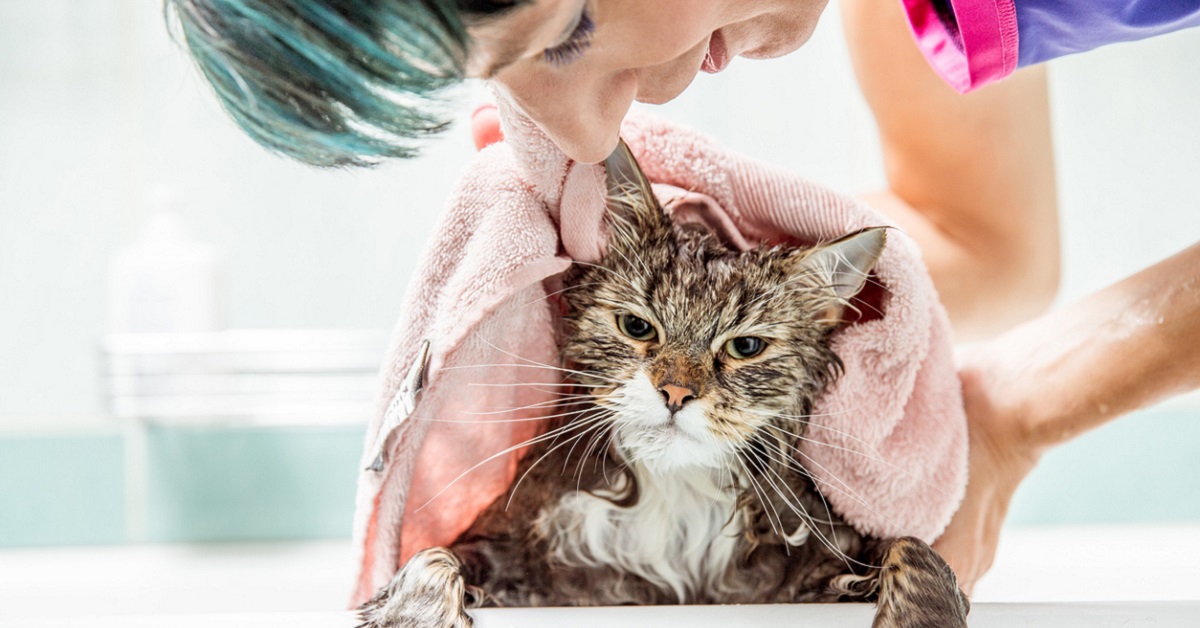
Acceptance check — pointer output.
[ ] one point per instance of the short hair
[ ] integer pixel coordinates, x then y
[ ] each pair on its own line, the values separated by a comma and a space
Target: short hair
333, 82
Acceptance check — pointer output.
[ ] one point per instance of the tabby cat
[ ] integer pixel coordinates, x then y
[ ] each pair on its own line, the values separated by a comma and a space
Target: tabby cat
675, 476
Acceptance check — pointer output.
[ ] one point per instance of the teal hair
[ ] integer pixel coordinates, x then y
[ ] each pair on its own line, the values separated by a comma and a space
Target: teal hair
332, 82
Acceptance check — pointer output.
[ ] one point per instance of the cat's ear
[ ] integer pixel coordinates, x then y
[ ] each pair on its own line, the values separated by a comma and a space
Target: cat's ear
629, 193
843, 266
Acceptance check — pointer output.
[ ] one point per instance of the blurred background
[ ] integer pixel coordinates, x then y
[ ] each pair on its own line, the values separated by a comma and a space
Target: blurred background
190, 326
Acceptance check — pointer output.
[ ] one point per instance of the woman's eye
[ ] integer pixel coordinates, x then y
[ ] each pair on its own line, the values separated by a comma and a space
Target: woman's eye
573, 46
744, 347
636, 328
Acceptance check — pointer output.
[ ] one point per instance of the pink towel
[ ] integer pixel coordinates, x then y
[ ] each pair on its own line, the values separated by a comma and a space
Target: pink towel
892, 458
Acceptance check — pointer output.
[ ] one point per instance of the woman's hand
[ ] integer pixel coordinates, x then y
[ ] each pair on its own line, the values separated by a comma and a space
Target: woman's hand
1002, 453
1047, 381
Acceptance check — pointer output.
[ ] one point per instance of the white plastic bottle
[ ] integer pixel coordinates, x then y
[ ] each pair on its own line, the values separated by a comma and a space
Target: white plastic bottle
165, 281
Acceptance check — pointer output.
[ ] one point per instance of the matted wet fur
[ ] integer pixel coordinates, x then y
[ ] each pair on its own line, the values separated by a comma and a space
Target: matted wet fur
672, 473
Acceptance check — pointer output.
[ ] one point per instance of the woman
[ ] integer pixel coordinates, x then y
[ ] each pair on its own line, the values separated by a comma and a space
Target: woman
971, 178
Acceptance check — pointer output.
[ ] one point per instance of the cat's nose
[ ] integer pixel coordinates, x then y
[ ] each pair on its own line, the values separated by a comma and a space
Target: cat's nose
676, 396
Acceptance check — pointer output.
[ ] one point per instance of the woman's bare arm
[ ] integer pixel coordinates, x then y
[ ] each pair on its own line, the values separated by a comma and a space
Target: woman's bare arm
1053, 378
1128, 346
971, 177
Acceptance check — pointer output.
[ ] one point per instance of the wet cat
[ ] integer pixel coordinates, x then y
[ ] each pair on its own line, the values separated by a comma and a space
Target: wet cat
674, 476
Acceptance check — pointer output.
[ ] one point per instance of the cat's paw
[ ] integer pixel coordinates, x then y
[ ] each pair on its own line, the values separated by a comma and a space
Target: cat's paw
917, 589
426, 593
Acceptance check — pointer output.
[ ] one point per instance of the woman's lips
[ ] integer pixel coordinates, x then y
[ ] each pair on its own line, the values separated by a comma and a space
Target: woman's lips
717, 57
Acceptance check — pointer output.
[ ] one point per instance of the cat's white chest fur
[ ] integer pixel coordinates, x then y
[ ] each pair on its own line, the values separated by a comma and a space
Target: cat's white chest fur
680, 534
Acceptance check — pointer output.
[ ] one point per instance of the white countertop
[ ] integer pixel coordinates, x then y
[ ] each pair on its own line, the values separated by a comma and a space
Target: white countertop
987, 615
1153, 570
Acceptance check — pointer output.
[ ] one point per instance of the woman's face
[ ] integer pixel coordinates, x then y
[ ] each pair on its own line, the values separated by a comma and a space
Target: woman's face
575, 66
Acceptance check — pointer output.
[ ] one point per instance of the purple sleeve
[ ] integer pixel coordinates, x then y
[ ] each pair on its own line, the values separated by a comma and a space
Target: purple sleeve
971, 43
1055, 28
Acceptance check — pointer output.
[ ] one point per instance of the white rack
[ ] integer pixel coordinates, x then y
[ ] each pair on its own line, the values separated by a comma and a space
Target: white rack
248, 377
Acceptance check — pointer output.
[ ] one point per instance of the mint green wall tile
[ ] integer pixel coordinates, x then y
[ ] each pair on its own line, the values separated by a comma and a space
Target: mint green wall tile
61, 489
208, 483
1144, 467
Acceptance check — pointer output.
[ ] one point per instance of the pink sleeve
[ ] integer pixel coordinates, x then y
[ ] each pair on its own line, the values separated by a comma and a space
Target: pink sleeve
969, 43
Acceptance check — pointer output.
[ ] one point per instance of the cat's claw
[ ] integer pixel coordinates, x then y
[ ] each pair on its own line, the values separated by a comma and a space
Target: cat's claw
426, 593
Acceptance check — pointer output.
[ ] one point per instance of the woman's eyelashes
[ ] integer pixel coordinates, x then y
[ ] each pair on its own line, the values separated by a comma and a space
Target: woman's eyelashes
575, 44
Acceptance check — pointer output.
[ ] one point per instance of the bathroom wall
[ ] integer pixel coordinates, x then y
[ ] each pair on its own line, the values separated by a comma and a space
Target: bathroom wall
97, 105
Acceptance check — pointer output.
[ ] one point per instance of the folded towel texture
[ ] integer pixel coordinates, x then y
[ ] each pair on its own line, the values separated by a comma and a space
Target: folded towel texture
889, 438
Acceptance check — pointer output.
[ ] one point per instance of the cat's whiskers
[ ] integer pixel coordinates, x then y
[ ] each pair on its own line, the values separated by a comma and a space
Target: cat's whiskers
874, 455
797, 506
604, 436
767, 505
514, 420
770, 475
587, 422
823, 483
587, 426
828, 291
628, 283
622, 229
562, 384
548, 403
803, 419
571, 390
876, 284
795, 465
611, 445
780, 457
853, 305
584, 374
561, 291
640, 261
789, 284
489, 421
536, 365
832, 544
593, 442
591, 430
733, 485
540, 438
625, 233
564, 403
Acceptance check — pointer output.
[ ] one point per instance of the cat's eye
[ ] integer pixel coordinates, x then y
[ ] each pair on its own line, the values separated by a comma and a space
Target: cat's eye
744, 347
636, 328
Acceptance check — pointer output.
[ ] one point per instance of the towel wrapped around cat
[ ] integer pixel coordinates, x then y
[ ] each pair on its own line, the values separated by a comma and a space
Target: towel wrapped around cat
891, 458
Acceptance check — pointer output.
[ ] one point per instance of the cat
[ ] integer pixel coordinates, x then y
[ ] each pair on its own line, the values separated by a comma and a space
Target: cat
674, 475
